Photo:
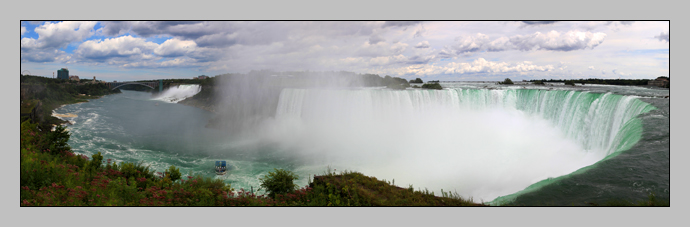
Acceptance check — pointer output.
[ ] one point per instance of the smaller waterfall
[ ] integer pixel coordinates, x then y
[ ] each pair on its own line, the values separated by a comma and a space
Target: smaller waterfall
179, 93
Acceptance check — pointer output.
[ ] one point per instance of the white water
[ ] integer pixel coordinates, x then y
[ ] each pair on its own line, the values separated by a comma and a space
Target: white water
480, 143
179, 93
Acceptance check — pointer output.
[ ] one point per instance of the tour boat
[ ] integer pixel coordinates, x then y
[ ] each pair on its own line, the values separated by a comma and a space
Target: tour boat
220, 168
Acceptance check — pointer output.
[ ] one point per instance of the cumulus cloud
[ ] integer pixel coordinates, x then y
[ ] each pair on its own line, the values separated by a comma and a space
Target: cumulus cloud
479, 65
381, 49
399, 23
537, 23
151, 28
616, 72
43, 56
663, 36
374, 39
217, 40
553, 40
23, 30
120, 47
423, 44
175, 48
591, 68
59, 35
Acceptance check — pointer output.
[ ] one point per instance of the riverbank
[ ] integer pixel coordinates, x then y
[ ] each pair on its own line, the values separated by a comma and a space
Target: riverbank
50, 94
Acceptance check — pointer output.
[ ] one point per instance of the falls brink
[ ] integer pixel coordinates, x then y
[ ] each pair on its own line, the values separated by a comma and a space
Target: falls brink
480, 143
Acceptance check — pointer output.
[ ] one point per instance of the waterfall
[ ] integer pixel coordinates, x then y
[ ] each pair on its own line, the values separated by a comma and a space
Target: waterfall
479, 142
179, 93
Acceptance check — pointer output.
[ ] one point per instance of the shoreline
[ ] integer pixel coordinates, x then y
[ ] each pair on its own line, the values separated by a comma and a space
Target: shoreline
59, 117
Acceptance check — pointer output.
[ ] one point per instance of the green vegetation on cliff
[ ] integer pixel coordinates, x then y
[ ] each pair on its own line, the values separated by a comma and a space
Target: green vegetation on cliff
47, 94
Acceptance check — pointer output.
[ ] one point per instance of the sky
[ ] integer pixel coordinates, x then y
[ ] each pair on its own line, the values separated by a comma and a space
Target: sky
431, 50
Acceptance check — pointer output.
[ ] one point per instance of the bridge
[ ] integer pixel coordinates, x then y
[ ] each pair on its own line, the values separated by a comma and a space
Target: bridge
152, 85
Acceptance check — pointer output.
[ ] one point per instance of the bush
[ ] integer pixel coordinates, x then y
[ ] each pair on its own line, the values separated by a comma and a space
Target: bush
279, 182
539, 82
432, 86
506, 81
173, 173
571, 83
417, 81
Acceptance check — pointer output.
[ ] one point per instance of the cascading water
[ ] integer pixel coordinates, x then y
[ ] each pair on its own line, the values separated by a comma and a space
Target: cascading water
480, 143
179, 93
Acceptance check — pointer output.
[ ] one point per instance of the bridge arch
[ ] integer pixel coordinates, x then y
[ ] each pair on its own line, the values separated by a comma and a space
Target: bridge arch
143, 84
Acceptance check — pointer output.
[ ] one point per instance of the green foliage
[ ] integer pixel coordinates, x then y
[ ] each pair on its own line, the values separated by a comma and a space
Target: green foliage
57, 140
570, 82
436, 86
395, 83
173, 173
55, 92
506, 81
418, 80
538, 82
279, 182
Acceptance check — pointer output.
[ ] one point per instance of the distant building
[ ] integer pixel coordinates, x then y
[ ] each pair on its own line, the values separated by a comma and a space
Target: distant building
661, 81
94, 80
201, 77
75, 78
63, 74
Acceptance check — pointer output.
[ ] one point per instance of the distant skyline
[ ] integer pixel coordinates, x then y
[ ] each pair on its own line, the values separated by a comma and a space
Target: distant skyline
431, 50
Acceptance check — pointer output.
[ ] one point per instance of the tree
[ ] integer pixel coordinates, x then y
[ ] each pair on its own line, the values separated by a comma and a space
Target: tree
279, 182
506, 81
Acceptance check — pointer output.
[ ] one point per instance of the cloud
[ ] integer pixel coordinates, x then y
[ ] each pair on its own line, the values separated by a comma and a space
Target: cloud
374, 39
23, 30
43, 56
120, 47
152, 28
553, 40
59, 35
663, 36
537, 23
217, 40
423, 44
616, 72
591, 68
465, 44
569, 41
399, 23
175, 48
479, 65
380, 49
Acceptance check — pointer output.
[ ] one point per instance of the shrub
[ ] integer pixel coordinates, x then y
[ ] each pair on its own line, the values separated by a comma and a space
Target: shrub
417, 81
432, 86
173, 173
506, 81
571, 83
279, 182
